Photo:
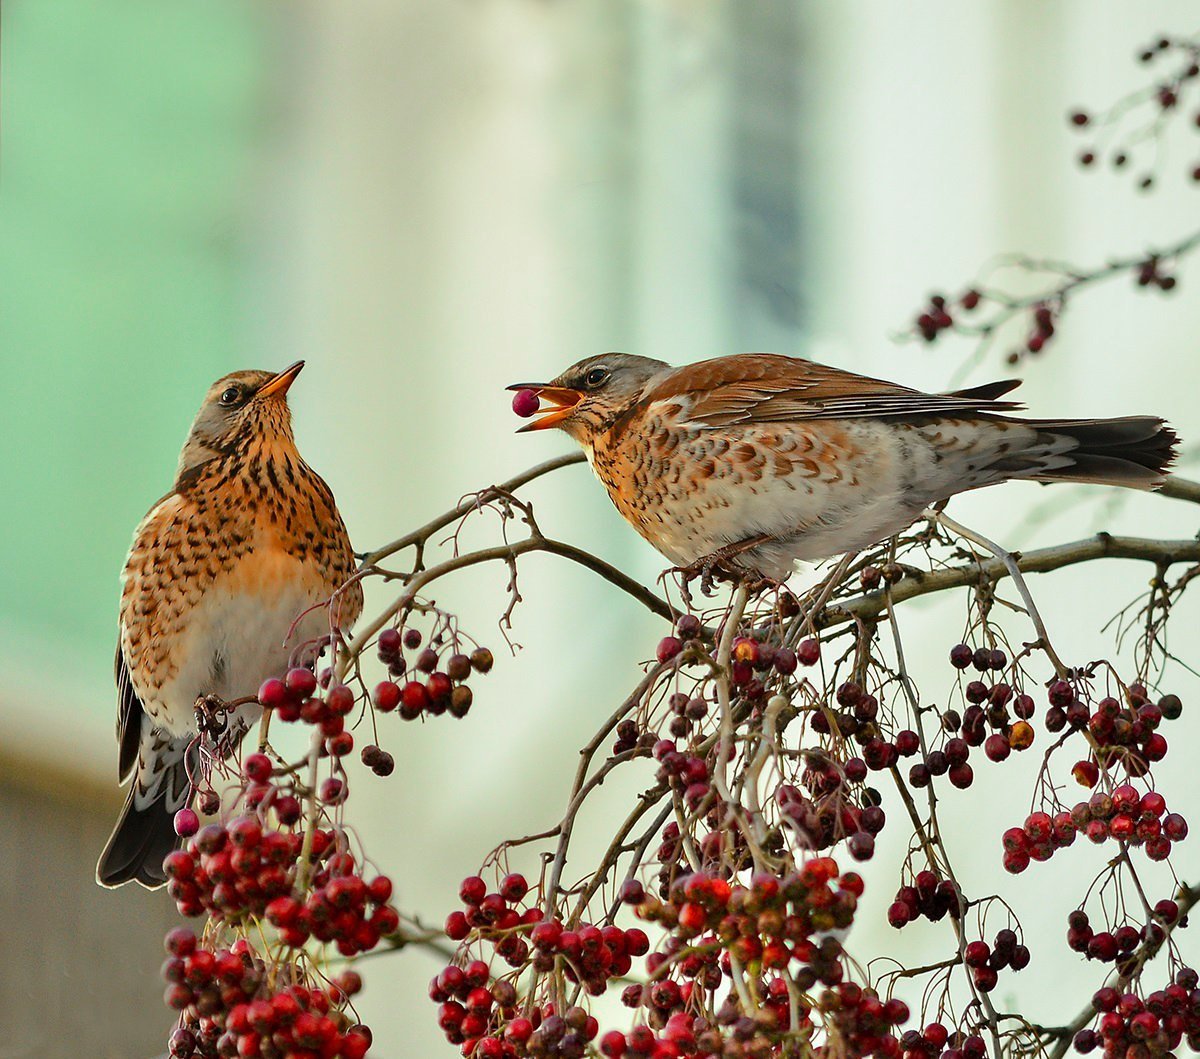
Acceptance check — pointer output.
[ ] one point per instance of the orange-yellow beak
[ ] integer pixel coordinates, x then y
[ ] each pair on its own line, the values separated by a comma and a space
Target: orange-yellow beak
562, 401
277, 385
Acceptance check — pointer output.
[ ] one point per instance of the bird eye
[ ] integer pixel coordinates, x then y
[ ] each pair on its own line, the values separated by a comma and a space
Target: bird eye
596, 377
230, 396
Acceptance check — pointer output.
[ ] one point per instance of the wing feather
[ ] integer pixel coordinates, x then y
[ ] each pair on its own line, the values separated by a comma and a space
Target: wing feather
129, 718
771, 388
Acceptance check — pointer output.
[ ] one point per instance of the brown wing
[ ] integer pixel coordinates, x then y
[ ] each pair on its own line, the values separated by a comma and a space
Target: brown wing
770, 388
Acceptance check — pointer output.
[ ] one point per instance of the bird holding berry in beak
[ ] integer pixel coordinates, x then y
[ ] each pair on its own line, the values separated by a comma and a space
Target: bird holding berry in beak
748, 463
232, 573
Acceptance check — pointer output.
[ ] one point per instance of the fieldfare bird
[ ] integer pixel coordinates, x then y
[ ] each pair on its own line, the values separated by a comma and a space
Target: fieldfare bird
225, 583
751, 462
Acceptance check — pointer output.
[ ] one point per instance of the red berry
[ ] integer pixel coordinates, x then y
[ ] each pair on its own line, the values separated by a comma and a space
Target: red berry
1153, 804
187, 823
526, 403
612, 1044
513, 887
809, 652
273, 693
1174, 827
977, 953
300, 682
340, 699
414, 699
1016, 861
668, 648
996, 747
456, 926
333, 791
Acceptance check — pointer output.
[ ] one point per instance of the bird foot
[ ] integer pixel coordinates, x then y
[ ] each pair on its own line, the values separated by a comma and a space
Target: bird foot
212, 716
721, 565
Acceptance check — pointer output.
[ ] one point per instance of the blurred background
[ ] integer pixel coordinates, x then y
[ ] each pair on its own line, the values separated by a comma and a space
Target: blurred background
427, 199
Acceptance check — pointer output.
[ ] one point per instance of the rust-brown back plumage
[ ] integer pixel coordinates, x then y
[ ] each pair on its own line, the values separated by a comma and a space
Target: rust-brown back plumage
783, 459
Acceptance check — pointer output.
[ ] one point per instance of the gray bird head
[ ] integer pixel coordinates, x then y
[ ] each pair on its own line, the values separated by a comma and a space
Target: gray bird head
593, 392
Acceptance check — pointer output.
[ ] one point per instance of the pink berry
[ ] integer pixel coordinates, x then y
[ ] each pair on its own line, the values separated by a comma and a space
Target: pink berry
668, 648
273, 693
187, 823
526, 403
257, 768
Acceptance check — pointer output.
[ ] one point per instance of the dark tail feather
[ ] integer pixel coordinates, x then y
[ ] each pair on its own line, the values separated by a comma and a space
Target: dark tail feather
140, 841
1134, 451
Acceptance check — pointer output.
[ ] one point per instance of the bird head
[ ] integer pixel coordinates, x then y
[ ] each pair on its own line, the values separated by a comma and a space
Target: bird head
241, 407
592, 393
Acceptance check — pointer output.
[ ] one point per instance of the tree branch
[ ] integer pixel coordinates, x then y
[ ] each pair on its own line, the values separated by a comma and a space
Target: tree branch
1043, 560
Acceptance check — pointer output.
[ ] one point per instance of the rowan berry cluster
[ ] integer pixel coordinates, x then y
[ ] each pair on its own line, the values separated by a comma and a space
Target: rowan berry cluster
438, 675
1124, 733
928, 896
231, 1005
986, 961
1155, 104
1156, 1025
937, 1040
240, 871
480, 1014
1117, 946
1126, 816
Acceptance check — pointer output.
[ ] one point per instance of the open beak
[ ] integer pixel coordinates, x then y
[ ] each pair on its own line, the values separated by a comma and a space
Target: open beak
562, 404
277, 385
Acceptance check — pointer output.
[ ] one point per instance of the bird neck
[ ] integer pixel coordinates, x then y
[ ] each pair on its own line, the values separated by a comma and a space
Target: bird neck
262, 467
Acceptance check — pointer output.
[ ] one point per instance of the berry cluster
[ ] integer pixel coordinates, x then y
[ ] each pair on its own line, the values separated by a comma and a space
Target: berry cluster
1042, 327
482, 1015
858, 1022
231, 1005
439, 676
929, 896
987, 960
771, 922
683, 770
1153, 272
477, 1018
936, 1040
240, 869
934, 319
1125, 733
1126, 816
1155, 1026
1115, 946
1155, 103
295, 698
827, 817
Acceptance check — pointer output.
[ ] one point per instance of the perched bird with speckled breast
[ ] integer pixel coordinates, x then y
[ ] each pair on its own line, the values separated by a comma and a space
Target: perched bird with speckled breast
754, 461
230, 576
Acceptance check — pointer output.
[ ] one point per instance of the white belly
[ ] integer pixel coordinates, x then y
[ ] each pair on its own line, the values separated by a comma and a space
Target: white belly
234, 639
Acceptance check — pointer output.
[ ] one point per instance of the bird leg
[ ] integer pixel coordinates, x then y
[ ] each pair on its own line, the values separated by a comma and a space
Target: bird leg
212, 720
719, 566
212, 716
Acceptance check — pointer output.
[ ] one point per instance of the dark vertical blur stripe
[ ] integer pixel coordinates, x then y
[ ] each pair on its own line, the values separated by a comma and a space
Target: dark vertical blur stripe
767, 65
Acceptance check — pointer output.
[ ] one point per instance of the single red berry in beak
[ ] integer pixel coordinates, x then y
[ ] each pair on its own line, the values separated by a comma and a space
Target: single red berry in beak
526, 403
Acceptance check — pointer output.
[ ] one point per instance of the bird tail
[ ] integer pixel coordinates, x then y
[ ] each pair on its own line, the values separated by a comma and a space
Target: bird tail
145, 831
1133, 451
